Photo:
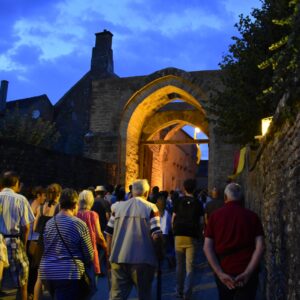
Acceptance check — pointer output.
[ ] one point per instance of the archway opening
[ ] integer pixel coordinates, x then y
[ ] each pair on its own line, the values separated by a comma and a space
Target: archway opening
152, 125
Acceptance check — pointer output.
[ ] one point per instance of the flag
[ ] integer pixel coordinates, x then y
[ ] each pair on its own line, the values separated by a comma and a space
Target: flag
239, 163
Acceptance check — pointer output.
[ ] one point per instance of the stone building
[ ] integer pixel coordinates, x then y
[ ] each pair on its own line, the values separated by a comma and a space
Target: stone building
112, 119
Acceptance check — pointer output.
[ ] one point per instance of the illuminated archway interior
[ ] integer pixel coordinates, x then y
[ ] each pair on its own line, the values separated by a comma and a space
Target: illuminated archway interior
159, 118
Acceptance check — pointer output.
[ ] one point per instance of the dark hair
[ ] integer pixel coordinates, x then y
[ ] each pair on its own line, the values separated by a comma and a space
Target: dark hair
53, 190
118, 187
109, 188
9, 179
155, 189
38, 190
189, 185
120, 194
166, 194
68, 198
162, 197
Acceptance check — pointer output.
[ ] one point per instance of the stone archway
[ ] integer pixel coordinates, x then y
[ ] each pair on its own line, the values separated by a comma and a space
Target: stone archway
144, 105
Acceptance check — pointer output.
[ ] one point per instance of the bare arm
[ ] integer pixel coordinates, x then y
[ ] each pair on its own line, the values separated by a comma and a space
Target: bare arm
99, 236
254, 262
36, 219
214, 263
173, 218
205, 219
25, 230
108, 244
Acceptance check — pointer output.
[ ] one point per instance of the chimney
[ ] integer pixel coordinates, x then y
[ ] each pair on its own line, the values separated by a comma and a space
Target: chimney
3, 94
102, 57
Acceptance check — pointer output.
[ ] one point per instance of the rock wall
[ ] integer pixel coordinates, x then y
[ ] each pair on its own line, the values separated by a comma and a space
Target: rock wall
38, 166
272, 189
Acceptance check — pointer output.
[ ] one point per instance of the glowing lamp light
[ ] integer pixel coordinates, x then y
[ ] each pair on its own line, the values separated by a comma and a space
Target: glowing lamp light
197, 130
265, 123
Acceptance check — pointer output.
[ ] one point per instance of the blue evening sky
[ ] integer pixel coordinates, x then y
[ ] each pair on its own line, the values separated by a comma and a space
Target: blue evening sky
46, 45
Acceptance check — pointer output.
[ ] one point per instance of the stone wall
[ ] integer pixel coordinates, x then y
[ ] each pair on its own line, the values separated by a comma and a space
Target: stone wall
38, 166
272, 189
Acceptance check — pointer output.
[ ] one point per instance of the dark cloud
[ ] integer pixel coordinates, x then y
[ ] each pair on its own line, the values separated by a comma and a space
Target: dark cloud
47, 78
139, 49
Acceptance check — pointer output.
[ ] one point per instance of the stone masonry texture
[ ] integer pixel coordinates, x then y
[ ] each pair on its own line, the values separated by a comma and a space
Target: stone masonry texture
272, 189
38, 166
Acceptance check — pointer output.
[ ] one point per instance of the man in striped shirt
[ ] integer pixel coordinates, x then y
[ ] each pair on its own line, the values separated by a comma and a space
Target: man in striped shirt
15, 218
133, 235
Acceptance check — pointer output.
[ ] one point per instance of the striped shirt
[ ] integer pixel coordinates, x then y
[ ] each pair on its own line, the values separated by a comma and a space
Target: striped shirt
15, 212
56, 262
132, 224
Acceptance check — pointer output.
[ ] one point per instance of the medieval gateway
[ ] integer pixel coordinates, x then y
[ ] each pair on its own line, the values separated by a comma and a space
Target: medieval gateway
131, 122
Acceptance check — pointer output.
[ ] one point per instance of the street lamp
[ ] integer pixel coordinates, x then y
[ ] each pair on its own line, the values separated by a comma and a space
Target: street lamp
265, 123
197, 130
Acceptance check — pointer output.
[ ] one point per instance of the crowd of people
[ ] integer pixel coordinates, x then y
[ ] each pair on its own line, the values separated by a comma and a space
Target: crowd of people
62, 240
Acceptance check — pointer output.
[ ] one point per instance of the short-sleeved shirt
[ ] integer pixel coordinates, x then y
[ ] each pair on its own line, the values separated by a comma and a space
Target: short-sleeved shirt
131, 225
188, 211
15, 212
234, 230
101, 207
57, 263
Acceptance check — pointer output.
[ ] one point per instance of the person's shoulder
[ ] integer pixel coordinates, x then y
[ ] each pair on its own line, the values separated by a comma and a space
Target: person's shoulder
22, 198
92, 213
114, 206
216, 211
251, 213
77, 221
147, 204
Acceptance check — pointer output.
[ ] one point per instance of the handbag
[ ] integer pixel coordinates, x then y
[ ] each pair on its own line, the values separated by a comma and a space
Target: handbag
85, 280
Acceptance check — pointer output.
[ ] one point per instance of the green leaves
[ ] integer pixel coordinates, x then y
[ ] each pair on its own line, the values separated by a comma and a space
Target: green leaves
19, 127
262, 65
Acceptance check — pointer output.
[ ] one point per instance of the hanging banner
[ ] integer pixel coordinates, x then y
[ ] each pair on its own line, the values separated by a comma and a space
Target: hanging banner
239, 163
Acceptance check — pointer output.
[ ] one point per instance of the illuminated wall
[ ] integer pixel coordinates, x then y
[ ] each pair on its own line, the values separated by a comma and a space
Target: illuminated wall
143, 107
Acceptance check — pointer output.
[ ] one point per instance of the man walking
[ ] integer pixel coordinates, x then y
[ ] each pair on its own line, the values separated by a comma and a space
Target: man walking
186, 229
15, 218
234, 245
133, 235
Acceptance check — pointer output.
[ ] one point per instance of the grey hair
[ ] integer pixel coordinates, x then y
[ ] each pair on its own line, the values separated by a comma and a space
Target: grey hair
233, 191
86, 199
140, 187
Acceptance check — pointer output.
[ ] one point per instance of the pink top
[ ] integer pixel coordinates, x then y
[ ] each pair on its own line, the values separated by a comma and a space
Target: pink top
91, 219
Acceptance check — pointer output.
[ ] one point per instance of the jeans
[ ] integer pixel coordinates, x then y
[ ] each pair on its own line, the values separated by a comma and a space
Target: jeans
247, 292
65, 289
185, 248
124, 276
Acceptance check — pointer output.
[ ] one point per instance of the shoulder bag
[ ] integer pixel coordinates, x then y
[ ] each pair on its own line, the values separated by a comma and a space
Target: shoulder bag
85, 280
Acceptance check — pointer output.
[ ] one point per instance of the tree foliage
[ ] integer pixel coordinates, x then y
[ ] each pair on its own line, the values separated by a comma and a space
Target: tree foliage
261, 66
23, 128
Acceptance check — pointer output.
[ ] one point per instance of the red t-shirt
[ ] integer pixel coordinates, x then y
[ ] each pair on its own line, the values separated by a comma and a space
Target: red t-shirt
234, 229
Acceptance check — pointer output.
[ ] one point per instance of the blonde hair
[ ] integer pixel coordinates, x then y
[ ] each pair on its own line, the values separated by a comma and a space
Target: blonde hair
86, 199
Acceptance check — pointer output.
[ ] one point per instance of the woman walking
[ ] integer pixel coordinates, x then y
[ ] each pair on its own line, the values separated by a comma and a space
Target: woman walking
67, 251
86, 201
44, 213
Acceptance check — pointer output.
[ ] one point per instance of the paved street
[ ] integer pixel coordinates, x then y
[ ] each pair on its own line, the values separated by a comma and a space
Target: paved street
205, 287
